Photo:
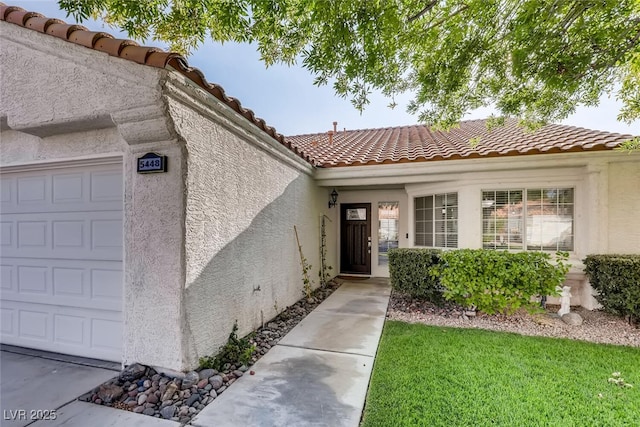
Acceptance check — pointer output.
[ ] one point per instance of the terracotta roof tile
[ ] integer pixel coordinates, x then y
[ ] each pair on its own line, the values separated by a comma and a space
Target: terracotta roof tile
63, 31
88, 38
132, 51
419, 143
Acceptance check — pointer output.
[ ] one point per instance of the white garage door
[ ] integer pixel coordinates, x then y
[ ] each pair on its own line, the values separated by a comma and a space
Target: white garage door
61, 259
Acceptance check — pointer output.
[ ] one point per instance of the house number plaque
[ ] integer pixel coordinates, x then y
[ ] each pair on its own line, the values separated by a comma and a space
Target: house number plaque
152, 163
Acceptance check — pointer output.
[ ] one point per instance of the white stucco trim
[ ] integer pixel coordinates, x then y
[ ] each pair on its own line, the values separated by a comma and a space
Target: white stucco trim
145, 124
48, 164
188, 93
445, 170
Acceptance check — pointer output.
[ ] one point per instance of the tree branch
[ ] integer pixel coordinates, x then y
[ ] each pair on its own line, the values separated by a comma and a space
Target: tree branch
443, 20
426, 9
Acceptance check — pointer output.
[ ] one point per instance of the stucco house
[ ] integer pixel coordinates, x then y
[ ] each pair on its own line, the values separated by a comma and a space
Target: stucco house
101, 258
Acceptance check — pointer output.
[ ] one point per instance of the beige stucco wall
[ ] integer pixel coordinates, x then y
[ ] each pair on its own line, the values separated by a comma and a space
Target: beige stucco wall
62, 102
624, 207
244, 195
50, 86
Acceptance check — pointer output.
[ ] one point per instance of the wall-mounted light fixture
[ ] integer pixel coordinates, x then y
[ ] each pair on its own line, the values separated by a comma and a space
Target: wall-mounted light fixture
334, 198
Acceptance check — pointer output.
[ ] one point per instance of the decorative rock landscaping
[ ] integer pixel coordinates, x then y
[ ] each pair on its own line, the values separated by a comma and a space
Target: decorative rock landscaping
580, 323
142, 390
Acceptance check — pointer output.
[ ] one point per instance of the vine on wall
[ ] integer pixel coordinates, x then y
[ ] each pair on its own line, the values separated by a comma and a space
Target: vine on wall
325, 270
306, 268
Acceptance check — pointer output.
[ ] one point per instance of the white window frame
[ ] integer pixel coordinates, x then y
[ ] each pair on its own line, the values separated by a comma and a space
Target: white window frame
445, 219
524, 214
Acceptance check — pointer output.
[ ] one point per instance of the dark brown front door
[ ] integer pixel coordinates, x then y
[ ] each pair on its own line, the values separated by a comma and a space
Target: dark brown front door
355, 238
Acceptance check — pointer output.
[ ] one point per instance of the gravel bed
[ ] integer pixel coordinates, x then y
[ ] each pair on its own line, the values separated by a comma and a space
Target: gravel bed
267, 336
141, 389
597, 326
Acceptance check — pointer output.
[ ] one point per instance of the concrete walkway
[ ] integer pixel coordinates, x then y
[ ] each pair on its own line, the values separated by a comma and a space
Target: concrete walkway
318, 373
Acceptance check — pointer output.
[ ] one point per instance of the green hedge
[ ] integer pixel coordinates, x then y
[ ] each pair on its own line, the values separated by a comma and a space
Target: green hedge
617, 280
410, 271
499, 281
492, 281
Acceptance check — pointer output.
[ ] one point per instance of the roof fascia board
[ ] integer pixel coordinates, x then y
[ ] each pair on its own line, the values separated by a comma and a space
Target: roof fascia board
433, 171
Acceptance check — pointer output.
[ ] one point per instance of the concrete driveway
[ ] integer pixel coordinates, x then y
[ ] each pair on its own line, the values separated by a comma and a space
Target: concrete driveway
44, 385
33, 386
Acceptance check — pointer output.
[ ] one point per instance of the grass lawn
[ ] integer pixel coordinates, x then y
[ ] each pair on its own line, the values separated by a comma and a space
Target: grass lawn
436, 376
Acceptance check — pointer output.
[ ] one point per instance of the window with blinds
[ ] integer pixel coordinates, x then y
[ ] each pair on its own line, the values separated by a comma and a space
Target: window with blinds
540, 219
436, 220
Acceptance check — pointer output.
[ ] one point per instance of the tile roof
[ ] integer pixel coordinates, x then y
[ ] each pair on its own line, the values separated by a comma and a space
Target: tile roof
132, 51
419, 143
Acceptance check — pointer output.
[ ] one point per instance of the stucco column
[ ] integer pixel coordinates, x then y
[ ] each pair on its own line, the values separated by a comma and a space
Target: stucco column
597, 204
154, 214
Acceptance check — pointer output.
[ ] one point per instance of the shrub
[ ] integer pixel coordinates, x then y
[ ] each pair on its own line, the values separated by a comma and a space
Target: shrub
617, 280
410, 271
499, 281
237, 351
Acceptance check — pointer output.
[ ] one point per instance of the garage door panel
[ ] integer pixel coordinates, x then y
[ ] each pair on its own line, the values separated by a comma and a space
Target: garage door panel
102, 336
69, 282
6, 191
7, 322
106, 236
32, 234
61, 278
33, 280
74, 235
106, 186
97, 303
33, 324
68, 188
68, 234
63, 208
90, 333
75, 190
90, 284
69, 329
102, 289
7, 279
32, 190
7, 234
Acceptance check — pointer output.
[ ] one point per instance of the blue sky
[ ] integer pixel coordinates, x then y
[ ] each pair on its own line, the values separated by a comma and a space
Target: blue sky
287, 99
